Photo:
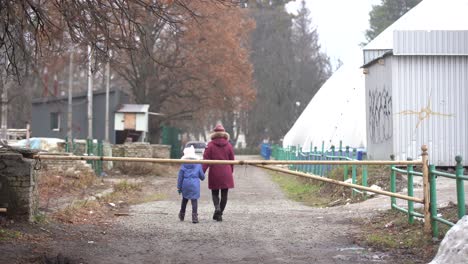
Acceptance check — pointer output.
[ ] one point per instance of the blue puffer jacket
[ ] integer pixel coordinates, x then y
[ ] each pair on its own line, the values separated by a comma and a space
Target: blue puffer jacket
189, 180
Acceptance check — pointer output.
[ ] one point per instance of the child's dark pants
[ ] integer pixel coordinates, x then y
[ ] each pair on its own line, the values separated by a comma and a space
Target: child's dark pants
194, 205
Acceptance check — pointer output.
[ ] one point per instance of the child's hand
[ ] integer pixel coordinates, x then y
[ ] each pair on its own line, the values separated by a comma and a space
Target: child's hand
179, 191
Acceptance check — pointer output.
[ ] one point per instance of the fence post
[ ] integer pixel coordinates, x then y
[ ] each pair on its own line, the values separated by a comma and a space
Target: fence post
392, 182
346, 166
354, 172
460, 188
67, 146
427, 194
89, 151
100, 153
314, 167
364, 176
433, 204
322, 171
333, 156
341, 148
409, 171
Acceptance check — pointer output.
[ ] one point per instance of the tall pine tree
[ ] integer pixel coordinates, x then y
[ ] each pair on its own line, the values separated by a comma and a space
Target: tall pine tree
312, 65
273, 59
387, 12
288, 68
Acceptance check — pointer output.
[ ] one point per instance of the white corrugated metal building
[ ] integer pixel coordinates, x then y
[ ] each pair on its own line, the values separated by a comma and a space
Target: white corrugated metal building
416, 79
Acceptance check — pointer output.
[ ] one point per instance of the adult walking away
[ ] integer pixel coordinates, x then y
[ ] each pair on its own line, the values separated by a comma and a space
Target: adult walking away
220, 176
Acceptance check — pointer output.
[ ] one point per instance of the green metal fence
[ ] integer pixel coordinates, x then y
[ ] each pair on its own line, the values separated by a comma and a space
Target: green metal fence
433, 174
93, 148
296, 153
460, 191
171, 136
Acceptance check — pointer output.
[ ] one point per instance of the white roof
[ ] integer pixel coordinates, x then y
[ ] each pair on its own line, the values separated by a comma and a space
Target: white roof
133, 108
427, 15
336, 112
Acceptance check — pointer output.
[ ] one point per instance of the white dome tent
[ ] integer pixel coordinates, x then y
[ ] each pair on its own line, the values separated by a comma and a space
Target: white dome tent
336, 113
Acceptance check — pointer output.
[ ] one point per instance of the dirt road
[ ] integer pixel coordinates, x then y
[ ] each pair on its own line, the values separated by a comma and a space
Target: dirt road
260, 226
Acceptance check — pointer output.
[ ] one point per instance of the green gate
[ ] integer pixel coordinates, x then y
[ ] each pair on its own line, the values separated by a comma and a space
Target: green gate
171, 136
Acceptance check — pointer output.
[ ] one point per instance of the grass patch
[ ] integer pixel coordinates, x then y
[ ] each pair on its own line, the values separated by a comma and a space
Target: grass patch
130, 192
390, 231
330, 194
135, 168
39, 218
53, 184
300, 189
381, 241
80, 212
6, 235
126, 186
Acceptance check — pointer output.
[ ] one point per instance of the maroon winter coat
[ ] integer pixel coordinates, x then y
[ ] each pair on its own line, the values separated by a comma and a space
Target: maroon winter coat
220, 175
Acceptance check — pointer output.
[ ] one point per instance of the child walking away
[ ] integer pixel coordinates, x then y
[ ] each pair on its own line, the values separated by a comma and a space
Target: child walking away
188, 184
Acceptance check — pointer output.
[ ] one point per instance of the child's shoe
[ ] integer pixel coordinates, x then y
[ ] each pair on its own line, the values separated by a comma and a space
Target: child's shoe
181, 216
194, 218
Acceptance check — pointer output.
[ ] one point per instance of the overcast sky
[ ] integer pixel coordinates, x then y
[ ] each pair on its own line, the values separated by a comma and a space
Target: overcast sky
340, 23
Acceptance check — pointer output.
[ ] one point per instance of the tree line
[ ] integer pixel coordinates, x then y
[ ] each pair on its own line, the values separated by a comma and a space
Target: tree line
249, 64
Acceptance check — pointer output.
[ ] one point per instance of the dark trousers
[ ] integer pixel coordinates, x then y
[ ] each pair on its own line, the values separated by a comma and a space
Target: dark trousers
219, 205
194, 205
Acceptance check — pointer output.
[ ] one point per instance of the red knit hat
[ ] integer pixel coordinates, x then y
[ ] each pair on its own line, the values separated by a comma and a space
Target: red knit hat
219, 128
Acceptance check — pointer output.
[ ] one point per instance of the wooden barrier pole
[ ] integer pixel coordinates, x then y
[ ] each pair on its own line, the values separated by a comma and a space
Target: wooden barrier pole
426, 191
234, 162
397, 195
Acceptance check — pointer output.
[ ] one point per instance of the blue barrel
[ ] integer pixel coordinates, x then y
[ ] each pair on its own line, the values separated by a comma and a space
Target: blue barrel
360, 154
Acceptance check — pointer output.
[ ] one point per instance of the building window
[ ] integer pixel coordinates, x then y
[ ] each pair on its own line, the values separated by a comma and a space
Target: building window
55, 121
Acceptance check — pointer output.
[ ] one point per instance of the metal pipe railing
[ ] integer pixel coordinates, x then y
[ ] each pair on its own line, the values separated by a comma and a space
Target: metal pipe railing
460, 189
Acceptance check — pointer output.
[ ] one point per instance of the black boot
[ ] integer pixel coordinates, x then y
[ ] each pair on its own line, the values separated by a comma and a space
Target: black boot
194, 218
181, 216
217, 215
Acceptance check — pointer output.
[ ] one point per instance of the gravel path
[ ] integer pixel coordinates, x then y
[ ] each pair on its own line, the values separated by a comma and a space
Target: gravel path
260, 225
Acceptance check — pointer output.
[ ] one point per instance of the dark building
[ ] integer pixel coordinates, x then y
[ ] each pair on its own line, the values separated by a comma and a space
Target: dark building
50, 115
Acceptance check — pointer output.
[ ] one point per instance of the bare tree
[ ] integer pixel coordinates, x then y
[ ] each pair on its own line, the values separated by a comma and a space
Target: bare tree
28, 29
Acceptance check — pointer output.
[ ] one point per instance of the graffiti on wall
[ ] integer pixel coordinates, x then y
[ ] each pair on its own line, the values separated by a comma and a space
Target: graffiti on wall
380, 115
424, 113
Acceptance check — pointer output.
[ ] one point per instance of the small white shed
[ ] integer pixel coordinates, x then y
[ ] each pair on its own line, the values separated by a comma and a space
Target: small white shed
131, 121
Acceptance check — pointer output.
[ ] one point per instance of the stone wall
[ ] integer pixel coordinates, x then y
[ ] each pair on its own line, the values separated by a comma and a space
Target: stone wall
139, 150
64, 165
18, 190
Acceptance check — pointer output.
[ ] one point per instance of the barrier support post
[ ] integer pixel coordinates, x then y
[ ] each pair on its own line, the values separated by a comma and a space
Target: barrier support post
427, 194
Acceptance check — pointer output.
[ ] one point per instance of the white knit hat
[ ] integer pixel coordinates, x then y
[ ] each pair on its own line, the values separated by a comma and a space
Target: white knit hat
189, 153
